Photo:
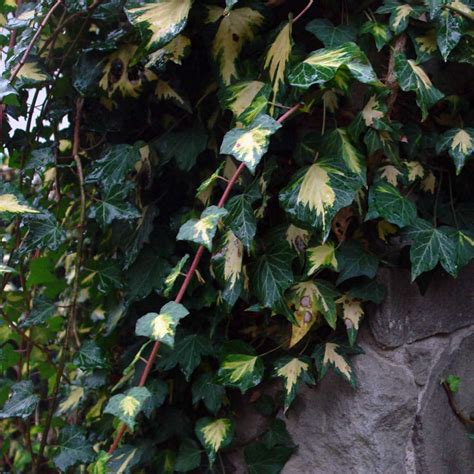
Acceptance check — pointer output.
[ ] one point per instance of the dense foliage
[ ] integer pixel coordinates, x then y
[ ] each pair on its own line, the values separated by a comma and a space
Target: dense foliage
196, 199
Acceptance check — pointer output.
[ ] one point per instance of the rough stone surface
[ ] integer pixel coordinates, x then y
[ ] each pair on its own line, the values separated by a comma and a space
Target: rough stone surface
340, 430
407, 316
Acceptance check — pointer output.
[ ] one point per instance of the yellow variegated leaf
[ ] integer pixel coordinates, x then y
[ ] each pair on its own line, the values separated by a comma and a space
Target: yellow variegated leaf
10, 203
297, 238
236, 28
241, 371
31, 72
385, 229
331, 356
415, 170
429, 183
371, 111
233, 258
164, 91
305, 320
390, 174
291, 371
129, 405
238, 369
402, 12
214, 434
72, 401
164, 18
277, 58
427, 43
322, 256
315, 191
462, 142
352, 312
174, 51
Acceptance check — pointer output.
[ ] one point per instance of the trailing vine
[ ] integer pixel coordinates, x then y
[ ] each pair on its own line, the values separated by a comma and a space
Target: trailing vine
196, 199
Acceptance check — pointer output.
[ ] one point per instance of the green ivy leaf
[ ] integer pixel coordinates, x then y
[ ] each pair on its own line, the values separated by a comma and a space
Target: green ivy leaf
293, 371
202, 231
242, 371
115, 165
431, 246
453, 382
379, 31
460, 145
249, 144
124, 459
189, 456
277, 435
127, 406
387, 202
241, 219
162, 327
412, 77
187, 352
44, 231
43, 309
330, 35
322, 65
8, 357
449, 30
354, 261
90, 357
184, 146
272, 274
22, 401
205, 389
263, 460
73, 448
214, 434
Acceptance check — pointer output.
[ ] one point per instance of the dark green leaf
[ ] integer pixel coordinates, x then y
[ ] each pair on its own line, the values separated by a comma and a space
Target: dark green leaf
209, 392
263, 460
73, 448
189, 456
354, 261
22, 401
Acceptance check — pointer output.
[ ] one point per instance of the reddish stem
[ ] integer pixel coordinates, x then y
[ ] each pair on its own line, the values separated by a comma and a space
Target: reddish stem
302, 12
187, 280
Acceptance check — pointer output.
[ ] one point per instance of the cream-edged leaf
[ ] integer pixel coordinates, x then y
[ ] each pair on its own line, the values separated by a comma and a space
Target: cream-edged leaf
249, 144
390, 174
11, 204
317, 193
412, 77
175, 273
31, 74
352, 313
297, 238
164, 19
202, 231
322, 65
277, 57
242, 371
321, 256
372, 111
293, 371
126, 406
236, 27
459, 142
246, 99
415, 170
332, 355
214, 434
162, 326
174, 51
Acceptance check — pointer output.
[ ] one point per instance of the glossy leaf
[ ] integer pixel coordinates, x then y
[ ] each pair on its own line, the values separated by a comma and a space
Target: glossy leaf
242, 371
127, 406
459, 143
22, 401
214, 434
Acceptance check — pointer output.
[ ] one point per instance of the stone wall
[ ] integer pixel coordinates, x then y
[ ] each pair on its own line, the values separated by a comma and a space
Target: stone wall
398, 420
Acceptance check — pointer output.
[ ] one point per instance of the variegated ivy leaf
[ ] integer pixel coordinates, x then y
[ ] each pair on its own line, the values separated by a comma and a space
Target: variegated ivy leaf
390, 174
431, 246
246, 99
297, 238
304, 319
331, 355
387, 202
164, 19
317, 193
352, 313
449, 30
322, 65
373, 111
170, 280
11, 204
317, 296
459, 142
379, 31
412, 77
177, 49
162, 326
277, 59
400, 14
126, 406
293, 371
202, 231
337, 143
214, 434
464, 242
164, 91
242, 371
236, 27
249, 144
321, 256
31, 74
415, 170
227, 262
425, 45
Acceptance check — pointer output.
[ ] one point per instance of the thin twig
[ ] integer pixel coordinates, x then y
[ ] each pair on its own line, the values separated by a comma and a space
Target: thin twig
302, 12
27, 52
456, 410
70, 326
187, 280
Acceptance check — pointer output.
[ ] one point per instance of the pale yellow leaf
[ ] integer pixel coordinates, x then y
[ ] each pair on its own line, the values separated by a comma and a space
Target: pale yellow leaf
10, 203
